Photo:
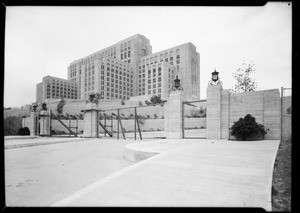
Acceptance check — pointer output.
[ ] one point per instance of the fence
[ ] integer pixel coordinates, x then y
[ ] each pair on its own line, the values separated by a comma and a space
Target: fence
113, 121
194, 119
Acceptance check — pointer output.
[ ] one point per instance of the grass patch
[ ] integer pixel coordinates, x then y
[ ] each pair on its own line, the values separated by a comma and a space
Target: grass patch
281, 185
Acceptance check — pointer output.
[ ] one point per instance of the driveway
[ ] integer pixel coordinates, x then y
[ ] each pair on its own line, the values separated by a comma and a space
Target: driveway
41, 175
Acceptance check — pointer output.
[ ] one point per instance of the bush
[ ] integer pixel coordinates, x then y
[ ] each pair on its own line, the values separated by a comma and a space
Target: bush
289, 110
247, 127
155, 99
23, 131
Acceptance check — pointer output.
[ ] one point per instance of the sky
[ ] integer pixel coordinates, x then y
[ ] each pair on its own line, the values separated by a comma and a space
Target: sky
42, 41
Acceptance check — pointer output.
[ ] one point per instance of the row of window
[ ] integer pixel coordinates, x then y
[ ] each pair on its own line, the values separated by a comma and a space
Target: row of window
61, 96
162, 56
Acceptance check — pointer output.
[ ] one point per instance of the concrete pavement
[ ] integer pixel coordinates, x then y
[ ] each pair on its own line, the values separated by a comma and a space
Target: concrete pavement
202, 173
41, 175
16, 142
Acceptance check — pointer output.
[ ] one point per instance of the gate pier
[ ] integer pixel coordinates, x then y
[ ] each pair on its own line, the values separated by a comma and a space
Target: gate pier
91, 121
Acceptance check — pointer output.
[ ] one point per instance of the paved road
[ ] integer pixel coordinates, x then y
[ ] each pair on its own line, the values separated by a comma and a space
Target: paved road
43, 175
201, 173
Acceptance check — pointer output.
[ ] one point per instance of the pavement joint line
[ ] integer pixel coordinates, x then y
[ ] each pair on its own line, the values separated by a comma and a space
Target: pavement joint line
86, 190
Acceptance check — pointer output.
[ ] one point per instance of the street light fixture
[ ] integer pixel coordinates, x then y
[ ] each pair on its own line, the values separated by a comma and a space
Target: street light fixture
215, 78
177, 82
215, 75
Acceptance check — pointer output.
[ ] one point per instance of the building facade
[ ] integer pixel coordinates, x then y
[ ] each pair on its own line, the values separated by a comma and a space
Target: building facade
110, 77
129, 51
136, 51
186, 61
129, 68
56, 88
156, 79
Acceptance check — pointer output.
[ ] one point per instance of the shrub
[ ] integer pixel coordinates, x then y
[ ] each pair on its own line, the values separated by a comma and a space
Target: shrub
23, 131
44, 106
58, 132
155, 99
289, 110
247, 127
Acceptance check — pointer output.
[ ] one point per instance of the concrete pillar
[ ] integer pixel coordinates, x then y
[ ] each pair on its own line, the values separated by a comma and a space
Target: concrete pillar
33, 123
213, 113
44, 123
91, 121
173, 115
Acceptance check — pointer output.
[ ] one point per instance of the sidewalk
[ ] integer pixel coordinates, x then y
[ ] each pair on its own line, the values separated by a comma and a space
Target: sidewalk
198, 173
27, 141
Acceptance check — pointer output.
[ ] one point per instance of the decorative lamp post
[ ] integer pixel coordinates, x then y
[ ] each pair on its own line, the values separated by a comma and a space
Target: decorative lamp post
177, 82
34, 106
177, 85
215, 78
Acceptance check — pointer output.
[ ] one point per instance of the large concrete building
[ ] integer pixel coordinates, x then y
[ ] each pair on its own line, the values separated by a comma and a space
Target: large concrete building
136, 51
186, 61
128, 51
129, 68
56, 88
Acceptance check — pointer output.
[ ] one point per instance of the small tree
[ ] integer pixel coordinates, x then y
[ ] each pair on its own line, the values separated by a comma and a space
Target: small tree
60, 106
247, 127
244, 83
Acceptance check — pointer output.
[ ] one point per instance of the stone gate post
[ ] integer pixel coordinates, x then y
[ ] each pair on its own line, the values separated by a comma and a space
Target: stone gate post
44, 123
213, 112
173, 115
33, 123
91, 121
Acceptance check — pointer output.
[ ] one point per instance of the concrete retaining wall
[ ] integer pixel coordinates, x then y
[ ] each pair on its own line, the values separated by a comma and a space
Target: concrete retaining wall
224, 108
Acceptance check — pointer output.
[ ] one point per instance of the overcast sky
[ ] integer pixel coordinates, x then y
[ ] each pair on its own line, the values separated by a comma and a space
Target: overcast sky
42, 41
